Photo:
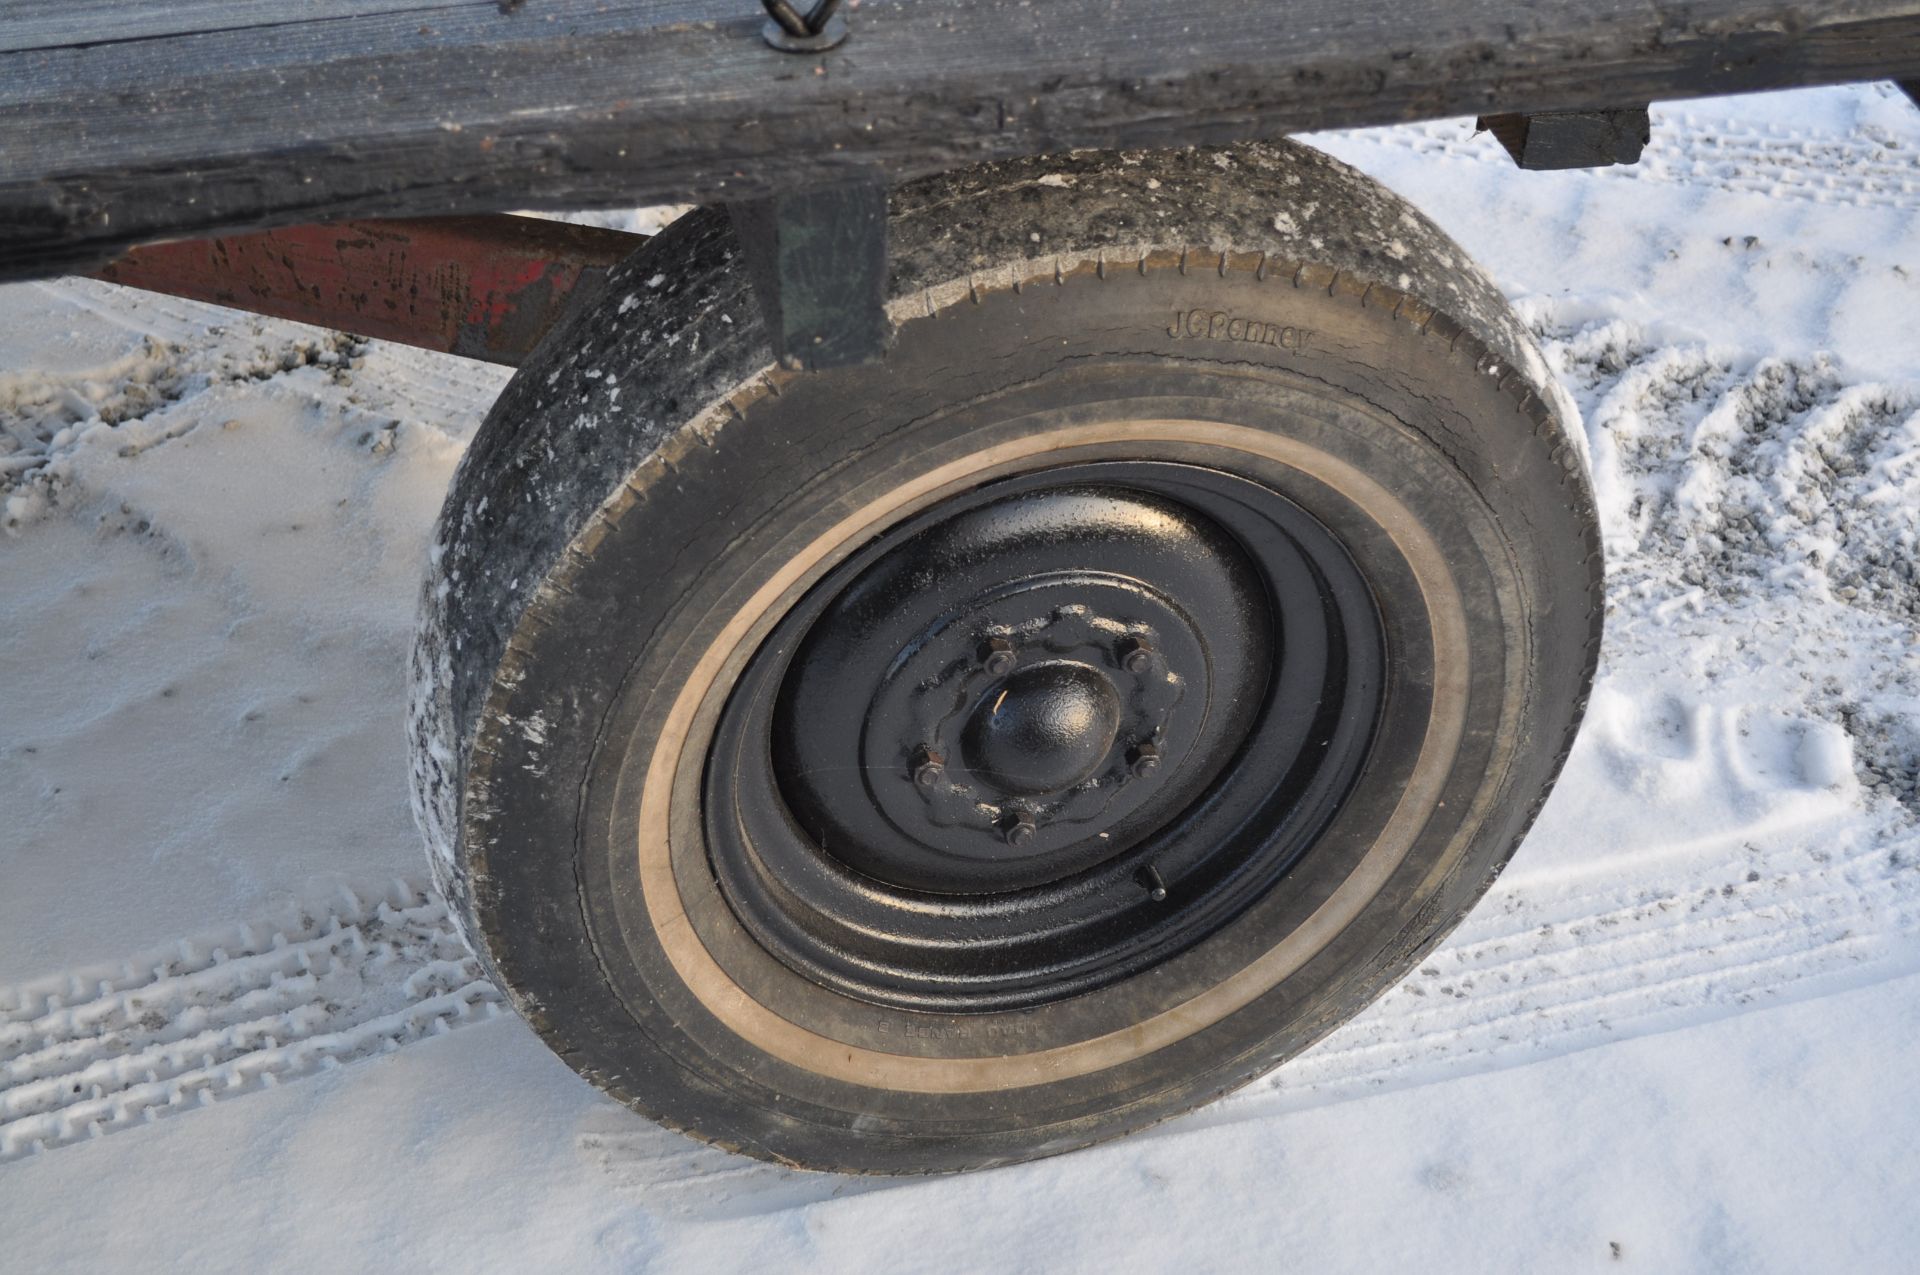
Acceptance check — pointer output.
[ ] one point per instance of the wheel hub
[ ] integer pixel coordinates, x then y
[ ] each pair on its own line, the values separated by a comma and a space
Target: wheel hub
997, 676
1053, 741
1046, 730
989, 759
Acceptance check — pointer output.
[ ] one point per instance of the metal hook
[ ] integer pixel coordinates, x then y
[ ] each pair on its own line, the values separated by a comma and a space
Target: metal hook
793, 32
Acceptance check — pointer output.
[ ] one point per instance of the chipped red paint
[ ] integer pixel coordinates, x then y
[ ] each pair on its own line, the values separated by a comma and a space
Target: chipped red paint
484, 287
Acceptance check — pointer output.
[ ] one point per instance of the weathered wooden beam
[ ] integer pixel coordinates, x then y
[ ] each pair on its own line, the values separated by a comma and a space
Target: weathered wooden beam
1558, 140
56, 24
818, 260
474, 106
485, 287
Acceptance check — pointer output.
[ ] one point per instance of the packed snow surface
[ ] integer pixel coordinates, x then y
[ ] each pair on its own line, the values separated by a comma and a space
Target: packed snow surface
1678, 1035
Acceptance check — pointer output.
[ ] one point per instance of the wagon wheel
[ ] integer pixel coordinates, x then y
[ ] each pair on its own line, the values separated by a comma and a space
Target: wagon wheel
1037, 733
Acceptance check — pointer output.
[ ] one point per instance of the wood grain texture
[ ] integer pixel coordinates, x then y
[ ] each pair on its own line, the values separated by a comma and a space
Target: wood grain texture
582, 103
53, 24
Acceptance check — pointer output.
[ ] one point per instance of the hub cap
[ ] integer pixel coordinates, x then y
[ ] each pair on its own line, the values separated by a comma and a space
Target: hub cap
1049, 730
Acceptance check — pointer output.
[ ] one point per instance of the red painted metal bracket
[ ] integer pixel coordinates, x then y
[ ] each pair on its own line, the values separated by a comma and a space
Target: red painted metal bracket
484, 287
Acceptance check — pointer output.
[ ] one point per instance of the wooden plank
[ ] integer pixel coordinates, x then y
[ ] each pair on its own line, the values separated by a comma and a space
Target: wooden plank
582, 103
52, 24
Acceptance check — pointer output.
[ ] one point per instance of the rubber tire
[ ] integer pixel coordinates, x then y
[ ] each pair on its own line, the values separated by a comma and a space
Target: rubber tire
651, 467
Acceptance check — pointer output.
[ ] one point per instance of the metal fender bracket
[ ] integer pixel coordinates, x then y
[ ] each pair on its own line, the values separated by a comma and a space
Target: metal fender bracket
485, 287
1558, 140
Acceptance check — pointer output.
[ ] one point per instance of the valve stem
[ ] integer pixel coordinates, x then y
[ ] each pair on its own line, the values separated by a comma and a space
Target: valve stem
1151, 881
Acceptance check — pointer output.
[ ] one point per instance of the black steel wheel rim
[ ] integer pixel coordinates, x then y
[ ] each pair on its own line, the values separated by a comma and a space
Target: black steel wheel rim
1043, 736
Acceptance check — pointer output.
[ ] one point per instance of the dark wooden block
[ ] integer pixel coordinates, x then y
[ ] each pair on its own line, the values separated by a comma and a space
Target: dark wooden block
818, 259
1557, 140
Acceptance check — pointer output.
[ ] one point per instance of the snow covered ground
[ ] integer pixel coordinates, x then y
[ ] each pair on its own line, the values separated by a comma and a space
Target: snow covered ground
237, 1033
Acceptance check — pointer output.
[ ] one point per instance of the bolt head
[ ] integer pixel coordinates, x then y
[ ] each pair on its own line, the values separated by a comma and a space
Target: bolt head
929, 768
1018, 830
998, 657
1136, 656
1143, 759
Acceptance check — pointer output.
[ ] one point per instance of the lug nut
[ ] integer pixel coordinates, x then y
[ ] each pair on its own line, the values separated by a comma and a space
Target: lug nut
1018, 829
1136, 656
929, 767
997, 656
1143, 759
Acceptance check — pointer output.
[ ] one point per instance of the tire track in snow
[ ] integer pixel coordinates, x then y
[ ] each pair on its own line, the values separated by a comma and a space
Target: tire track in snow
91, 1053
1539, 970
1668, 954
